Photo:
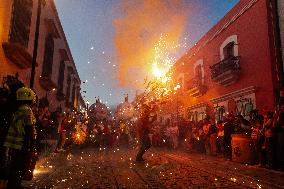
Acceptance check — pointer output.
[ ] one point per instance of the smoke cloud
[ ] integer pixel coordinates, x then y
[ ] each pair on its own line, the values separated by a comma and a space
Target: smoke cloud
138, 30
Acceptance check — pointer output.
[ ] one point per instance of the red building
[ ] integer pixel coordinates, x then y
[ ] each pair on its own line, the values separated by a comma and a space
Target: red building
234, 67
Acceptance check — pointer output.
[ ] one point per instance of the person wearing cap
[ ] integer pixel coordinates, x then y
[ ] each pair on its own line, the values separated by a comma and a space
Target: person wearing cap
20, 138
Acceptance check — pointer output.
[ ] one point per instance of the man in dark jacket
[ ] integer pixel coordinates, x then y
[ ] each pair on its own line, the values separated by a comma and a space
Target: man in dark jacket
144, 125
228, 131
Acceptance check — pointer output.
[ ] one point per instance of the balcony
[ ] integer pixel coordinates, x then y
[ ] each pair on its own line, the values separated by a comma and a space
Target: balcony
17, 54
226, 72
195, 87
47, 83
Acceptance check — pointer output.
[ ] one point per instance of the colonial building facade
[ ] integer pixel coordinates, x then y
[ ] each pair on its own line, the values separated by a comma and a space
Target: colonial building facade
56, 77
280, 34
234, 67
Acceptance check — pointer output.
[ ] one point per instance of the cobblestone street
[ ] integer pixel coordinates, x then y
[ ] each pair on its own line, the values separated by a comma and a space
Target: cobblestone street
116, 168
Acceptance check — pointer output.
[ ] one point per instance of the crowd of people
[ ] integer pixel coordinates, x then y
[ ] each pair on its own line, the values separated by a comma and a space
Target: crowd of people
211, 137
208, 136
29, 128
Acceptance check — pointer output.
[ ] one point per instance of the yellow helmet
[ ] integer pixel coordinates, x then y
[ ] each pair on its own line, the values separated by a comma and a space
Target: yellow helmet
25, 93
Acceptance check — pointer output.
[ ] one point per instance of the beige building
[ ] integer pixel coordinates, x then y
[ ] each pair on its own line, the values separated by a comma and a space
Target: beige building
56, 76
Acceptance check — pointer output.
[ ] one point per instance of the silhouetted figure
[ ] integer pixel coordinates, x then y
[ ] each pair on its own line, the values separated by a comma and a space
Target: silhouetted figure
143, 133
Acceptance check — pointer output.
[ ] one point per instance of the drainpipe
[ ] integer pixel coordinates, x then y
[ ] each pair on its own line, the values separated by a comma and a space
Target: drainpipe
35, 44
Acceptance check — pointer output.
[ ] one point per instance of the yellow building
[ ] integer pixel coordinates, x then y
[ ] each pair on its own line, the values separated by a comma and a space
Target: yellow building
56, 76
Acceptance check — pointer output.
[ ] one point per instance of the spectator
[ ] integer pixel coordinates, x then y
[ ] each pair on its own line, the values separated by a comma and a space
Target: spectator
62, 121
220, 138
258, 140
280, 139
175, 134
206, 127
106, 135
269, 139
213, 136
228, 131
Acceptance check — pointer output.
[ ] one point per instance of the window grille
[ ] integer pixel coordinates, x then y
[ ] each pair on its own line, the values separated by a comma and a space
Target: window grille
48, 56
21, 22
68, 89
229, 50
61, 76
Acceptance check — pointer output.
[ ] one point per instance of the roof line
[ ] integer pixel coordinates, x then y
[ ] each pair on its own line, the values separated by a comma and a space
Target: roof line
64, 37
219, 31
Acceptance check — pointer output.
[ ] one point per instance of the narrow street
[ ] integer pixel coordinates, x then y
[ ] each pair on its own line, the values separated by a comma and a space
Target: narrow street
203, 77
116, 168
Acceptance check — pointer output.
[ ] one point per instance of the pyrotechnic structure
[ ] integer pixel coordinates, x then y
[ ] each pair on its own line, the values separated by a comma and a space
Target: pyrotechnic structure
161, 84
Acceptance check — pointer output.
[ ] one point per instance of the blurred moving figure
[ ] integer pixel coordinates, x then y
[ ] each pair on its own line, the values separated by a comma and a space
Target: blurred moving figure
144, 125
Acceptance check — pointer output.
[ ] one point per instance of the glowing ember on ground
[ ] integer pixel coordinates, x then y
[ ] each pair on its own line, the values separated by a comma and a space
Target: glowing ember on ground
36, 171
79, 137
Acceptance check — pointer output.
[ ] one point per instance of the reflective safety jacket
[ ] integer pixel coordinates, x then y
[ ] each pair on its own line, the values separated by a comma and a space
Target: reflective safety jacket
22, 118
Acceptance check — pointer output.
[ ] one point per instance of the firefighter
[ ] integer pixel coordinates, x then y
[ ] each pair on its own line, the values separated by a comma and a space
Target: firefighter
20, 139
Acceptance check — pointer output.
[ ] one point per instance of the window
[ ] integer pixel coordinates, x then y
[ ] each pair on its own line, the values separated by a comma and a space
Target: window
68, 89
180, 80
73, 94
61, 76
199, 72
21, 22
219, 113
48, 56
229, 47
228, 50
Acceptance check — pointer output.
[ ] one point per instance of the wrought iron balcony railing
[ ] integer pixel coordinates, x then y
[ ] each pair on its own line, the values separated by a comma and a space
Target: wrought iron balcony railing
229, 64
194, 83
195, 87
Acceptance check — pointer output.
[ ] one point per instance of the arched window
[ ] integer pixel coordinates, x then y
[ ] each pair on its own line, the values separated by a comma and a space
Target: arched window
229, 48
68, 89
73, 94
21, 22
180, 80
48, 56
199, 71
61, 76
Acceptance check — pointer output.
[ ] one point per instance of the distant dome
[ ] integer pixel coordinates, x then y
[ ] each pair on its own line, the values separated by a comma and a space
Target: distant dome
125, 110
98, 110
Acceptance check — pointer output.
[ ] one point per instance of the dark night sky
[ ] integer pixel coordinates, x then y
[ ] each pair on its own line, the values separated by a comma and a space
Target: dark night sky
88, 26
